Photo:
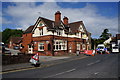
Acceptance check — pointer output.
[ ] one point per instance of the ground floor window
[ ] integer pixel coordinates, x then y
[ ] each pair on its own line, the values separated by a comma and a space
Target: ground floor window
40, 46
30, 48
60, 45
83, 47
78, 46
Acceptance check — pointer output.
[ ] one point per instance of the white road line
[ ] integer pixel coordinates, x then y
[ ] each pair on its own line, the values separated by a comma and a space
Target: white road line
90, 64
97, 61
96, 73
62, 73
93, 62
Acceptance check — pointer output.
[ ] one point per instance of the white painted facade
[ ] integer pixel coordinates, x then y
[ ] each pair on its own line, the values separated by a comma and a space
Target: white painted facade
36, 32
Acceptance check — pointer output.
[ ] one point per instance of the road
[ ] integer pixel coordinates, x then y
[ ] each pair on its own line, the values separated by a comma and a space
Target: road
99, 66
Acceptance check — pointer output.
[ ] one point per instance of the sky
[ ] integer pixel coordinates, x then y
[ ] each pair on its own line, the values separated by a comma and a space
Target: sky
96, 16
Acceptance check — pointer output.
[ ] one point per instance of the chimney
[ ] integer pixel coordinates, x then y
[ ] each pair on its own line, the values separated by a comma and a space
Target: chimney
57, 16
65, 20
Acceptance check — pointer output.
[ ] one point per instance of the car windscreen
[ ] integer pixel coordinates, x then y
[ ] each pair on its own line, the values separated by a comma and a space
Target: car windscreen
100, 47
115, 47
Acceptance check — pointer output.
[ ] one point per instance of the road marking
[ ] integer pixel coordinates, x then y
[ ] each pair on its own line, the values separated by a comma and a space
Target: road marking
97, 61
93, 62
40, 66
96, 73
18, 70
90, 64
61, 73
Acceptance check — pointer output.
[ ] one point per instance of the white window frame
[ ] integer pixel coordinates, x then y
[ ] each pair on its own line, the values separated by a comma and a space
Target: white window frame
41, 32
60, 45
77, 34
59, 32
78, 46
41, 45
83, 46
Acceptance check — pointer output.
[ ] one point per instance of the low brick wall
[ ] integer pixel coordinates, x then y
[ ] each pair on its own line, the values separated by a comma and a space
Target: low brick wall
15, 59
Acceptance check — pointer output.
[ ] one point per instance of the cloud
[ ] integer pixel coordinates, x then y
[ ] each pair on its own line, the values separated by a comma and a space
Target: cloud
25, 14
5, 21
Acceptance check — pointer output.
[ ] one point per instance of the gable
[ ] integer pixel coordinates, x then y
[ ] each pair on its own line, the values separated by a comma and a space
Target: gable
41, 24
81, 28
74, 27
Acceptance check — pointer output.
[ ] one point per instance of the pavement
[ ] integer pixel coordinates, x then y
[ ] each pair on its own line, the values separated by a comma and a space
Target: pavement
44, 60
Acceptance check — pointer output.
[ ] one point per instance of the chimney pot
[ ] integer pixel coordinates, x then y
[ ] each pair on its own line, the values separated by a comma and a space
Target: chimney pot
65, 20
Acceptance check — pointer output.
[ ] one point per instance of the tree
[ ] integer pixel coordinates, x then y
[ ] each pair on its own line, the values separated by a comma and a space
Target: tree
105, 35
7, 33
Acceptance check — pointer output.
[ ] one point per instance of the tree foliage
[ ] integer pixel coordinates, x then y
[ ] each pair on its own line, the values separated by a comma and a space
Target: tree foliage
105, 35
7, 33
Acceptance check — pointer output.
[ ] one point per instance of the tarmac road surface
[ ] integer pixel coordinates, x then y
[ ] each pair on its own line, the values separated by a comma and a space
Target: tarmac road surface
99, 66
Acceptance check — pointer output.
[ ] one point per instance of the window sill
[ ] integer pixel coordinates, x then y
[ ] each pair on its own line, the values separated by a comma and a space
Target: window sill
40, 50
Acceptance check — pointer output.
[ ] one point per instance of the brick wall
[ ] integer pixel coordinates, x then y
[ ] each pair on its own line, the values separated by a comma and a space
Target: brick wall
27, 38
48, 45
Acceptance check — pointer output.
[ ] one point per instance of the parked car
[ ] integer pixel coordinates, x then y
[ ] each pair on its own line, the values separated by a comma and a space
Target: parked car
101, 49
115, 49
2, 47
16, 47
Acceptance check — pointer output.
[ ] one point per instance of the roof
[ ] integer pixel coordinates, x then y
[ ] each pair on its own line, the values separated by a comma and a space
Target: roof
118, 36
113, 39
16, 39
29, 29
48, 22
74, 26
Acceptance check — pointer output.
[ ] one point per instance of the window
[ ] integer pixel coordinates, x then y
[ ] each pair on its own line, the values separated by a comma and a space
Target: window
41, 32
83, 46
77, 34
41, 24
78, 46
30, 46
81, 28
59, 32
60, 45
41, 47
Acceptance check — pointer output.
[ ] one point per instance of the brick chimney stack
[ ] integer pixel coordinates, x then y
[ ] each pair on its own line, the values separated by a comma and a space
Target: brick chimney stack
65, 20
57, 17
